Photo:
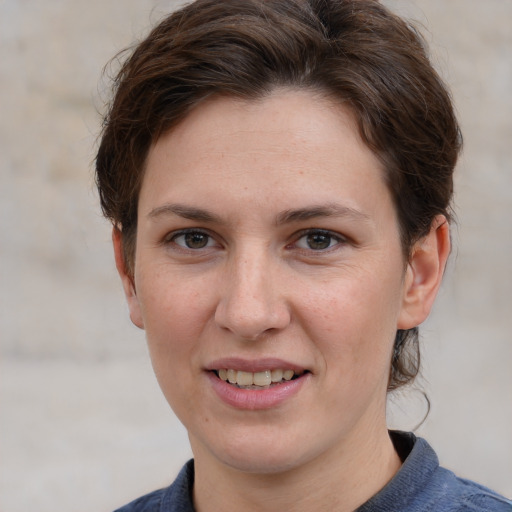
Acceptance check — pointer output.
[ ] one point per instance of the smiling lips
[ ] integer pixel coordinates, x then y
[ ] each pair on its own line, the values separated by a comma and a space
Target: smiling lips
256, 380
260, 384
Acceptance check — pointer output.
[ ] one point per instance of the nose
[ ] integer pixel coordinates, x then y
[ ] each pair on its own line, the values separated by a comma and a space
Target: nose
252, 303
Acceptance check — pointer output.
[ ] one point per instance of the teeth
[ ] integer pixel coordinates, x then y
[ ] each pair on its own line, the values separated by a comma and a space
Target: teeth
244, 378
277, 375
288, 374
262, 379
232, 376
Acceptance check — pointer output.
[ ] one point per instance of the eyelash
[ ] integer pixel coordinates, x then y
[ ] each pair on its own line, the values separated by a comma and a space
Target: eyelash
183, 233
329, 237
340, 240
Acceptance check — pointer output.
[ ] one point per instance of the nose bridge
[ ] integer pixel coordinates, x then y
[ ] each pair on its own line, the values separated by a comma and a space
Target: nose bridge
251, 303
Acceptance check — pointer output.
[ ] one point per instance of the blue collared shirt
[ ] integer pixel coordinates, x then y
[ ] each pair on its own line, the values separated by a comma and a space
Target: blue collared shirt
420, 485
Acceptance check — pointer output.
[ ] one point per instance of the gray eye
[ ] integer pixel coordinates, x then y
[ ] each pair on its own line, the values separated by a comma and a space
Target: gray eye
196, 240
193, 240
317, 241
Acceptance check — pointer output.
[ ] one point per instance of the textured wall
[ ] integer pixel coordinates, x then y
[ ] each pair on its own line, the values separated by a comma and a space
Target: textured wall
82, 423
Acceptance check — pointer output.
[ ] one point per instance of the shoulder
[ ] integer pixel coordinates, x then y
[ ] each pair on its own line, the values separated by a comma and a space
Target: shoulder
175, 498
149, 503
422, 485
467, 496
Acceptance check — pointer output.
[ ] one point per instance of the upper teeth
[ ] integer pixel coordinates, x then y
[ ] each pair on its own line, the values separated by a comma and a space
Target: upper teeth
264, 378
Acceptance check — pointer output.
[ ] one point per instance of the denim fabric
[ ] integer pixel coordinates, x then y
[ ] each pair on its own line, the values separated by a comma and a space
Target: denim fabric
175, 498
421, 485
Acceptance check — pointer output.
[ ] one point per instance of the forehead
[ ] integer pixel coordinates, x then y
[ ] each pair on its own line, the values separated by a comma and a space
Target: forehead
290, 143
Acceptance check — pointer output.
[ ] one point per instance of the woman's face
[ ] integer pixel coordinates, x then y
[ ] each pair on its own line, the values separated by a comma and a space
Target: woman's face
268, 247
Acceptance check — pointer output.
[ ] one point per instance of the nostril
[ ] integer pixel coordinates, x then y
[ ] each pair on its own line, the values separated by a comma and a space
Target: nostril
252, 320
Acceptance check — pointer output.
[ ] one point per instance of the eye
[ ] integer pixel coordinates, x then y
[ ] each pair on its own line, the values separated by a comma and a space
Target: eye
318, 240
193, 240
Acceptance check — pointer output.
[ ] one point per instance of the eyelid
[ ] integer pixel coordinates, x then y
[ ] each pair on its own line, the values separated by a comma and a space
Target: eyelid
342, 240
170, 238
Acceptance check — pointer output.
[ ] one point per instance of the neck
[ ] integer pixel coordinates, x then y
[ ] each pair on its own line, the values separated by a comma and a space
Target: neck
341, 480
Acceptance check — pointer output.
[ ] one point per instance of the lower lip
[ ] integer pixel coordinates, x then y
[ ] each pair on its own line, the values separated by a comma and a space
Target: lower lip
256, 399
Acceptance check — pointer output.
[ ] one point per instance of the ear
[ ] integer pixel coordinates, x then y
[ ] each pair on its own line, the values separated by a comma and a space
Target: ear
424, 274
127, 279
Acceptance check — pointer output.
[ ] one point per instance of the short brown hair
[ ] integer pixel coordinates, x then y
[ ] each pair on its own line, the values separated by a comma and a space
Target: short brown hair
353, 51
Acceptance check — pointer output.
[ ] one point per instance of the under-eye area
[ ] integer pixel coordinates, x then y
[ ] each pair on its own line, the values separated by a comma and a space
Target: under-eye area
257, 380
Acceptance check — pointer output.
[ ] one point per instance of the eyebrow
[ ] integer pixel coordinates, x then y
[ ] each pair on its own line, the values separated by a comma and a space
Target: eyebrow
285, 217
186, 212
313, 212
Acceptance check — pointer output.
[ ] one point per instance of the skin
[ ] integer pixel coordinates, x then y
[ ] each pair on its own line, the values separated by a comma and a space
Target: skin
252, 180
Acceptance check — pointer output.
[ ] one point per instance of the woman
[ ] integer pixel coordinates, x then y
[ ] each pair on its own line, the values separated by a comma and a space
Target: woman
279, 177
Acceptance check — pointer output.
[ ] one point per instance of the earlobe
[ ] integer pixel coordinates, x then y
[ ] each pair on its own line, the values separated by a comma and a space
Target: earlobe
127, 279
424, 274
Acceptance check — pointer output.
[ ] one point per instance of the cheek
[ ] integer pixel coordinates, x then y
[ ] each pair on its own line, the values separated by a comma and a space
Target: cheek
175, 315
354, 320
174, 312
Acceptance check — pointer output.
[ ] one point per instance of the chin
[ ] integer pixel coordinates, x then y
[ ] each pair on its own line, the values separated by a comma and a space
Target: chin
262, 464
271, 455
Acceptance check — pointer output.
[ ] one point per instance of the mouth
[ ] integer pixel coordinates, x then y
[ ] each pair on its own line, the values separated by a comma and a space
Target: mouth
261, 384
257, 380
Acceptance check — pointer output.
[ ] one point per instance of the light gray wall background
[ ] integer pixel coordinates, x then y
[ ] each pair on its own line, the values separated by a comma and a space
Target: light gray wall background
82, 423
